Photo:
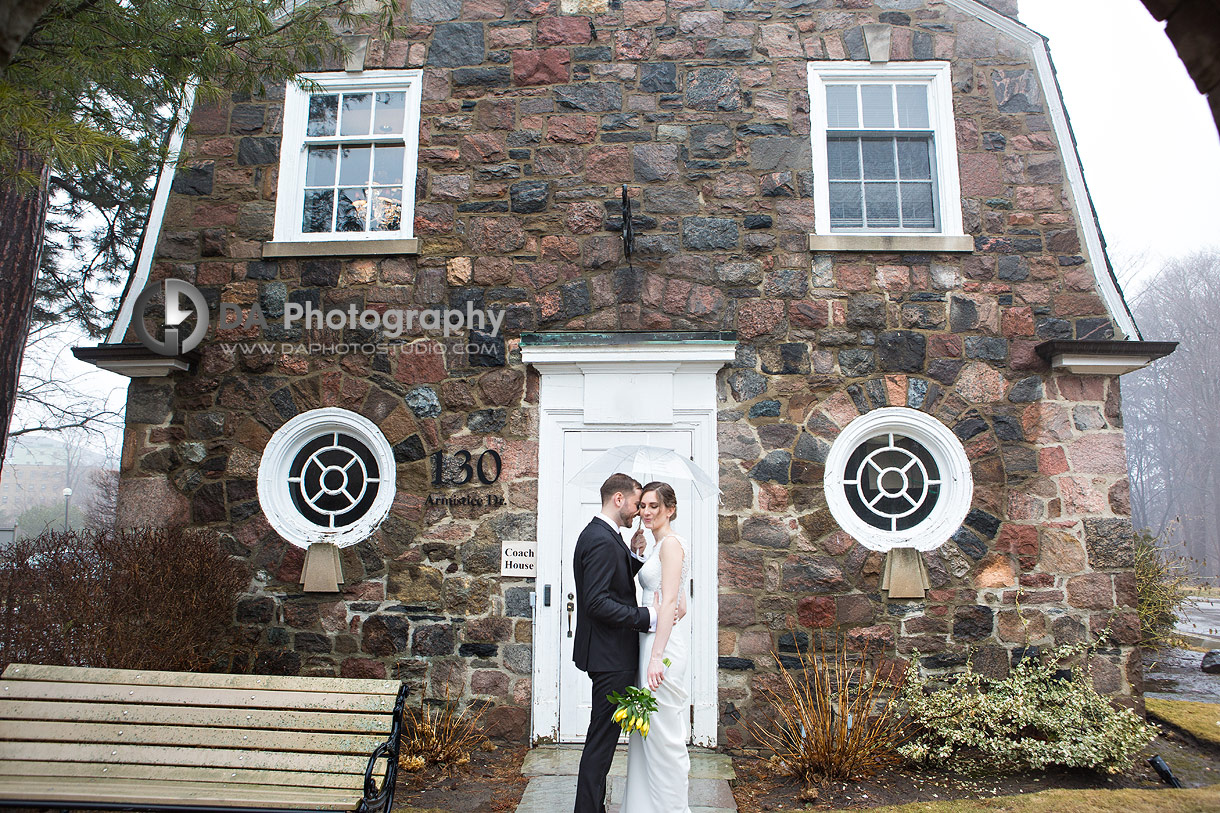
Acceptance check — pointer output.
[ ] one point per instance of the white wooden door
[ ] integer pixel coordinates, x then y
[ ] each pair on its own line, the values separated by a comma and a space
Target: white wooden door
581, 501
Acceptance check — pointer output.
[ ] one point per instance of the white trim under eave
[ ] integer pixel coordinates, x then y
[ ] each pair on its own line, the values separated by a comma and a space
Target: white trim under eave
142, 368
1082, 206
1091, 364
156, 216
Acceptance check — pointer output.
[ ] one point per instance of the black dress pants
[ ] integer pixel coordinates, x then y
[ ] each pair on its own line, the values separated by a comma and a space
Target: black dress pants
600, 740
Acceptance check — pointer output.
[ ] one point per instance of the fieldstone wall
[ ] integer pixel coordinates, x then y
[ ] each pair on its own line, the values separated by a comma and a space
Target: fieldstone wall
531, 120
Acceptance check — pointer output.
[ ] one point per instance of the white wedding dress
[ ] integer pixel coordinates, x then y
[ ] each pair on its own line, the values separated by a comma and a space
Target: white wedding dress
658, 766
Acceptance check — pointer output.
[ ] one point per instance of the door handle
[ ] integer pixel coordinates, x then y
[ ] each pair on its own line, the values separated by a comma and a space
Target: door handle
571, 608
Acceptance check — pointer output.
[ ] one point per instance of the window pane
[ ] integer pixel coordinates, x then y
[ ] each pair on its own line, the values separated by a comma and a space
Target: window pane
914, 158
844, 158
881, 204
841, 106
387, 208
387, 165
878, 158
353, 209
354, 168
846, 210
917, 211
323, 113
357, 109
878, 104
318, 205
913, 106
320, 166
389, 113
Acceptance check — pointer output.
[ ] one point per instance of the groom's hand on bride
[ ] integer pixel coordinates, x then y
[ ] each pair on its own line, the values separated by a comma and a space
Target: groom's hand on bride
679, 614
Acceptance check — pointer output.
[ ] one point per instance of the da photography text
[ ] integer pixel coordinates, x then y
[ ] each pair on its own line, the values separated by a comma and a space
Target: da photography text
183, 300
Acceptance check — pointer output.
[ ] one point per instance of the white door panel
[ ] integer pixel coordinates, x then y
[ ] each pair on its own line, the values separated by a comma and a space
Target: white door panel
580, 503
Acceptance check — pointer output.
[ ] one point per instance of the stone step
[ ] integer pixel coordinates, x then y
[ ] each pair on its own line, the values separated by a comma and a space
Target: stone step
552, 787
564, 760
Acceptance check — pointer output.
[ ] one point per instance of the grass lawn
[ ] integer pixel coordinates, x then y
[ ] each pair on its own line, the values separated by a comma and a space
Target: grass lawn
1195, 800
1200, 720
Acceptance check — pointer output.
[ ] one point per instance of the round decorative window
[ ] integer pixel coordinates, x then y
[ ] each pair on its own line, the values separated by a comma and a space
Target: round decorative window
898, 478
327, 475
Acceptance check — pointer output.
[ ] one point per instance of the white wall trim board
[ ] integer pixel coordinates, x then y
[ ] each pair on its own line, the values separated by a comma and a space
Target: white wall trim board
1082, 202
156, 216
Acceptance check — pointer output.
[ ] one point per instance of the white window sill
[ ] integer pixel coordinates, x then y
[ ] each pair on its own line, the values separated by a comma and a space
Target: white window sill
340, 248
891, 242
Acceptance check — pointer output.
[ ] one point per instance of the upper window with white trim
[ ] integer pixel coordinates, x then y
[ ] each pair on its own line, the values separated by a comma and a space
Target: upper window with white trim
885, 157
349, 157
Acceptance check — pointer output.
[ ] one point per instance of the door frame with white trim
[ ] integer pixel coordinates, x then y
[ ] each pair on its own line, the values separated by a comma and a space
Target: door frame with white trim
598, 387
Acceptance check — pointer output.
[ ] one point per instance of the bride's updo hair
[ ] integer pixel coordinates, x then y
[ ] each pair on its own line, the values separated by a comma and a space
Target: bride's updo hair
665, 494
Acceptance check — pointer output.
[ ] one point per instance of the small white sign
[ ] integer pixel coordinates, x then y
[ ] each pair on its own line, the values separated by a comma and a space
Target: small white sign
517, 559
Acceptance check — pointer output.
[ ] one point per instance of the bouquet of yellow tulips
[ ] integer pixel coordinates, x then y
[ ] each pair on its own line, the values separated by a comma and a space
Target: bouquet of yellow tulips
634, 707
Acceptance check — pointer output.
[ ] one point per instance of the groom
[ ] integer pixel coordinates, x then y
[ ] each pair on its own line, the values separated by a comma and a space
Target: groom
608, 623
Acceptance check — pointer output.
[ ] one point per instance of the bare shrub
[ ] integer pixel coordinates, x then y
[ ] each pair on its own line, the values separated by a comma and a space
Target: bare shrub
831, 719
439, 734
103, 511
140, 598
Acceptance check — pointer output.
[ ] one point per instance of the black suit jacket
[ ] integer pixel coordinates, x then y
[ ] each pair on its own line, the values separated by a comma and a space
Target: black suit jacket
608, 621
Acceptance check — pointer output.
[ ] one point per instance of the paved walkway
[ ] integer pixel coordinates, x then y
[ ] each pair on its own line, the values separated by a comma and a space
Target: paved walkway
552, 786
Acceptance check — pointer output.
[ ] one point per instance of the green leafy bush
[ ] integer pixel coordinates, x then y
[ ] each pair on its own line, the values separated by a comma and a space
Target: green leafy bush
1044, 714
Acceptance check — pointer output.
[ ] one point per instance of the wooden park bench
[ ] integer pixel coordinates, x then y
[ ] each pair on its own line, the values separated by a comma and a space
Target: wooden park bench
104, 739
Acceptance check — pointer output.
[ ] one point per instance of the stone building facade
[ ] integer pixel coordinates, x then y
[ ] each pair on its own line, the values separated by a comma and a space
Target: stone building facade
533, 114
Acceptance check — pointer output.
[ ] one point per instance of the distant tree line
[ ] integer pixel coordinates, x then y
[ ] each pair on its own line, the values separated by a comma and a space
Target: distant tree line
1172, 410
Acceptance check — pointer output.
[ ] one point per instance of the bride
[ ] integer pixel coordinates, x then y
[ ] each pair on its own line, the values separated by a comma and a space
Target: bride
658, 765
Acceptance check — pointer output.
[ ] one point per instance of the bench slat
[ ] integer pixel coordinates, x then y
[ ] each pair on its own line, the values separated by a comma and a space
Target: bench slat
149, 677
290, 742
105, 791
131, 714
352, 782
171, 696
202, 757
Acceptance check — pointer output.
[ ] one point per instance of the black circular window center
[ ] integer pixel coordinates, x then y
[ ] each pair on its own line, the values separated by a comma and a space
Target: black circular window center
334, 480
892, 482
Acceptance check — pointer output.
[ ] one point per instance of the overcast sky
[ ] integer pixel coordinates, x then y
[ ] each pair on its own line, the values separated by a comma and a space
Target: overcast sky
1149, 145
1148, 142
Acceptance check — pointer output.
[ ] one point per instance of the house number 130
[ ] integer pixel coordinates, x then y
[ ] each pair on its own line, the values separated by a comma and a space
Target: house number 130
489, 460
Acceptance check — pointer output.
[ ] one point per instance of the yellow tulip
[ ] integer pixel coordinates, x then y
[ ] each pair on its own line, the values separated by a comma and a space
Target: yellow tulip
644, 728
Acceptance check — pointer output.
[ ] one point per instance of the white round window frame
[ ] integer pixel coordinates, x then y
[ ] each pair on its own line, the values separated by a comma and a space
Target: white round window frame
957, 483
274, 496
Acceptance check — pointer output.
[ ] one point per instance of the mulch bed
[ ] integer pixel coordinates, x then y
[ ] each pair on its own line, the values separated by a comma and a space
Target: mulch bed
757, 789
492, 782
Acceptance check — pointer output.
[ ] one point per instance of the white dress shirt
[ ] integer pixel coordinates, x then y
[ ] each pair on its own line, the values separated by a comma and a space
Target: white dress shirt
652, 611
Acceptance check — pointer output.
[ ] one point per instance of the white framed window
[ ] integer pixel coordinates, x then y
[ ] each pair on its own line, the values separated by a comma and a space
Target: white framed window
897, 477
885, 155
327, 475
348, 158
